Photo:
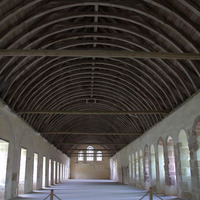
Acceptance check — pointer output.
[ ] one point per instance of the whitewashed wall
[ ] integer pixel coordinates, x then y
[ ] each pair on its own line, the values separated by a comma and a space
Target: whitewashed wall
20, 135
184, 118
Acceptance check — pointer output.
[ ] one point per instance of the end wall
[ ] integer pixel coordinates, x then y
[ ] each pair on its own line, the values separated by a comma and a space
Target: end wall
90, 169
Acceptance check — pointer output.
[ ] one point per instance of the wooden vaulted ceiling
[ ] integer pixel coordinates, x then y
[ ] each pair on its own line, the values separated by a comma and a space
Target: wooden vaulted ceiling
90, 98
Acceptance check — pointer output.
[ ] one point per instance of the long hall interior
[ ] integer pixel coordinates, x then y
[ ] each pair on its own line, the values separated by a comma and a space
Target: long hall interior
97, 93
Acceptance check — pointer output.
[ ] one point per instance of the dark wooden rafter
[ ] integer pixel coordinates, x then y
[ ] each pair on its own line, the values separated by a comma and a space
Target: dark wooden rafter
77, 68
74, 143
90, 156
95, 150
63, 112
84, 133
88, 153
100, 54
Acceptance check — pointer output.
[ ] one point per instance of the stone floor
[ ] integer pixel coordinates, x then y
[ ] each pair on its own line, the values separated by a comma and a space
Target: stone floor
91, 190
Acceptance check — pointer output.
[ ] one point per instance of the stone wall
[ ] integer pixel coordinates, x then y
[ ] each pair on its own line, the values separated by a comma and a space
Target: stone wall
90, 169
20, 135
172, 147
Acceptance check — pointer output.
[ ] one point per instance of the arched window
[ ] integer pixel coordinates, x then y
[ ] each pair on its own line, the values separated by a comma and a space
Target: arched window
136, 167
90, 153
146, 165
129, 166
161, 164
141, 167
80, 156
171, 157
133, 166
99, 156
153, 164
3, 165
184, 159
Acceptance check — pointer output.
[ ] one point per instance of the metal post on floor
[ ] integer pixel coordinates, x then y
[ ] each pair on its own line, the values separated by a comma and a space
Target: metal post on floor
51, 195
150, 193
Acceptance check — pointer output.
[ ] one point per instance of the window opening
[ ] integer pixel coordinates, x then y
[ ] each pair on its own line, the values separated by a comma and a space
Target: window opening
80, 156
137, 167
49, 172
146, 163
153, 164
133, 166
99, 156
171, 157
90, 153
58, 172
3, 166
44, 172
61, 176
54, 172
184, 159
141, 167
22, 171
161, 162
35, 170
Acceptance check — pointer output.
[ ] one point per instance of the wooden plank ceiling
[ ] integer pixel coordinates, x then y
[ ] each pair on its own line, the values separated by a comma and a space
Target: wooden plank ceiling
99, 92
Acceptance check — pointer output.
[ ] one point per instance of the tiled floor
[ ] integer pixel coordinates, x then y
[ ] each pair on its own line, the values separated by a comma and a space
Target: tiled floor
91, 190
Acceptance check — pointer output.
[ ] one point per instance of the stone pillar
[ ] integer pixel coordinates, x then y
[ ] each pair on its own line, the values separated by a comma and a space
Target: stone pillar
184, 190
47, 172
11, 189
28, 187
193, 147
39, 172
157, 182
178, 168
166, 167
52, 172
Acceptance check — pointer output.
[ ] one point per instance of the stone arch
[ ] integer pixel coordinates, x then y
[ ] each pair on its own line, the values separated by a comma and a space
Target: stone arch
9, 136
22, 140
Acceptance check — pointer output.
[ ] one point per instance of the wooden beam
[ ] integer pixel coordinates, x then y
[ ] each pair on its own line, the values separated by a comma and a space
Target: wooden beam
69, 112
83, 133
99, 53
66, 149
93, 154
76, 156
75, 143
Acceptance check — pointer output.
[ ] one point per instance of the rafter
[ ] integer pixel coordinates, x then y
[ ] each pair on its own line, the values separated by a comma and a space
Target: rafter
88, 153
75, 143
88, 156
66, 149
71, 112
100, 54
84, 133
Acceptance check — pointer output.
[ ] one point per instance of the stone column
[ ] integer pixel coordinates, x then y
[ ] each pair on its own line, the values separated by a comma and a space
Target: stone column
193, 147
28, 187
11, 189
39, 171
